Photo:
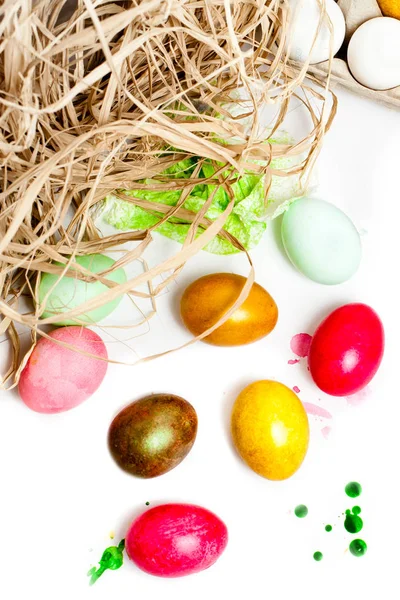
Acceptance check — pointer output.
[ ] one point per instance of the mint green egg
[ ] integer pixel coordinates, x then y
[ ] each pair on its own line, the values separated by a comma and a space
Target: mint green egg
321, 241
71, 292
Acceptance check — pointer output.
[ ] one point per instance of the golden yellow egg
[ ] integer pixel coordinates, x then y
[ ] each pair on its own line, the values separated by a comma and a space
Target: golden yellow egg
207, 299
270, 429
390, 8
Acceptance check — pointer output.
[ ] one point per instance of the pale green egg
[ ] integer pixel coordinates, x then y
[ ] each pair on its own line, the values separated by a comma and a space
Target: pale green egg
71, 292
321, 241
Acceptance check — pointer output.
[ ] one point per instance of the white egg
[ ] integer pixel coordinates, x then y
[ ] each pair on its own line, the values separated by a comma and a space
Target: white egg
373, 54
304, 20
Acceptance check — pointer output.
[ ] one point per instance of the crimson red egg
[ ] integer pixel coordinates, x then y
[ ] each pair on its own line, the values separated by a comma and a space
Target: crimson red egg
173, 540
346, 349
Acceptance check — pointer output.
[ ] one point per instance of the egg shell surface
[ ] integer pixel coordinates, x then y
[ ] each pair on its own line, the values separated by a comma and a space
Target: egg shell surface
346, 349
390, 8
208, 298
153, 435
270, 429
373, 54
71, 292
321, 241
172, 540
303, 26
55, 378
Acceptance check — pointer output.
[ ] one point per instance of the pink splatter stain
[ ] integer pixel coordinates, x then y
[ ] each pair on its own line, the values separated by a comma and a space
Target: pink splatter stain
316, 411
326, 431
296, 389
358, 398
293, 361
300, 344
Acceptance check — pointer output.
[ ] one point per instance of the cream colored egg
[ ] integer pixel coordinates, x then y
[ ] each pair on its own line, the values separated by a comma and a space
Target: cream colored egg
304, 20
374, 53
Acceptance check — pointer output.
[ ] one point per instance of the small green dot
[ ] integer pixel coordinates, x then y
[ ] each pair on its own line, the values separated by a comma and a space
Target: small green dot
147, 503
328, 527
358, 547
353, 489
356, 510
353, 523
318, 556
301, 511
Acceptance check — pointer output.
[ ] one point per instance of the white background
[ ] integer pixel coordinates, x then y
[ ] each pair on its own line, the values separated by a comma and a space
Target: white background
61, 494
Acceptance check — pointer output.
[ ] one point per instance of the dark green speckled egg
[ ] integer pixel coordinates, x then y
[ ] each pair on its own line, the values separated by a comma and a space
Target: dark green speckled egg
153, 435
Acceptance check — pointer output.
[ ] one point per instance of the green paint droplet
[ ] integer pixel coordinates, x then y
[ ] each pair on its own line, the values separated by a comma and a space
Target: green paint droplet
147, 503
318, 556
358, 547
112, 558
353, 523
356, 510
301, 511
328, 528
353, 489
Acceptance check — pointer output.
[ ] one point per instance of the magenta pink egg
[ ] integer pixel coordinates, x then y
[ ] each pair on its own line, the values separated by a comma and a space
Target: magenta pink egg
173, 540
56, 378
346, 350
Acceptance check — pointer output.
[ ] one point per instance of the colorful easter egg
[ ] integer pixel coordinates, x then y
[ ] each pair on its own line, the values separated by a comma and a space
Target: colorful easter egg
57, 378
71, 292
270, 429
207, 299
173, 540
390, 8
153, 435
321, 241
346, 350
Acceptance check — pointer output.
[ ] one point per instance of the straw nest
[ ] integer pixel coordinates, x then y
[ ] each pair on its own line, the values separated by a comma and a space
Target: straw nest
98, 94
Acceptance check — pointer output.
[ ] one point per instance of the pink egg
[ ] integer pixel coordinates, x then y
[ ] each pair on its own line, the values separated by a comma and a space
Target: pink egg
346, 350
56, 378
173, 540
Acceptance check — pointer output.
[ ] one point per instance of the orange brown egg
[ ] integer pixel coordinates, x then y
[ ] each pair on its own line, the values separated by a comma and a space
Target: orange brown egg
207, 299
390, 8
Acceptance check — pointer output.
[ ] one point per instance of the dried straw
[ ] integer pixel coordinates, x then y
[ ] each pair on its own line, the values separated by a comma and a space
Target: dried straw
93, 92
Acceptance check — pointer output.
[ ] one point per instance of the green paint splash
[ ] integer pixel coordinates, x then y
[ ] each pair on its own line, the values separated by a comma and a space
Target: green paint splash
358, 547
112, 558
301, 511
353, 489
353, 523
